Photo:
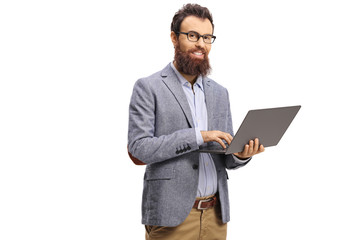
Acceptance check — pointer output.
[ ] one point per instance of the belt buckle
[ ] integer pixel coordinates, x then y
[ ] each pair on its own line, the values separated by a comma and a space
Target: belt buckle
201, 201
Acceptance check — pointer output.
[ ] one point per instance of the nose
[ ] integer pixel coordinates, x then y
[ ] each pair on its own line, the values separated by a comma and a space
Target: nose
200, 43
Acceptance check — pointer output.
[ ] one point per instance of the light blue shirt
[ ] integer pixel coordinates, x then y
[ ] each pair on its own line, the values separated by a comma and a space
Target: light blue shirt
196, 99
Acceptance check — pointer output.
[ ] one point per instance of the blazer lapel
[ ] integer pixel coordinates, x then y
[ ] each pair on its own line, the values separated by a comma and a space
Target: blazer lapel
171, 81
209, 100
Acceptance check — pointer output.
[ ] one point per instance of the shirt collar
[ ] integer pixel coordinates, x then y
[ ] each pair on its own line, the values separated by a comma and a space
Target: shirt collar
184, 82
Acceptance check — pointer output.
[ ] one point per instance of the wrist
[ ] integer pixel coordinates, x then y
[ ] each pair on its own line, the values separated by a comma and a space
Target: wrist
240, 157
203, 135
199, 137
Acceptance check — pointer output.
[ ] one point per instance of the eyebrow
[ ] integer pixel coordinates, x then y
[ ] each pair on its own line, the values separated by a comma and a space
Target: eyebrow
199, 33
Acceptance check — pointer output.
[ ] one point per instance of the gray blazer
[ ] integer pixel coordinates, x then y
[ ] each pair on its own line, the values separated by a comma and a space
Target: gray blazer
162, 135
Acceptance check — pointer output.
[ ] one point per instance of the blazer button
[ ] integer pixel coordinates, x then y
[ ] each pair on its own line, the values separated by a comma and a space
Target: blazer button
195, 166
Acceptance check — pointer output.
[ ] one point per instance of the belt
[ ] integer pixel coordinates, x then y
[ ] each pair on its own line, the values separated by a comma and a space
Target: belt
205, 203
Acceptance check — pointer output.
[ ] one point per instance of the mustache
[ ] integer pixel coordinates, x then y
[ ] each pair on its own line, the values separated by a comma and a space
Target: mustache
196, 49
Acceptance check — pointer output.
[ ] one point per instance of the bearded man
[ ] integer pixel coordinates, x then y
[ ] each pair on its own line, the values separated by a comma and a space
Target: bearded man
172, 113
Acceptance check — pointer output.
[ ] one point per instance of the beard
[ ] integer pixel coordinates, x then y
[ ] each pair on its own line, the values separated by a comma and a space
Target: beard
190, 65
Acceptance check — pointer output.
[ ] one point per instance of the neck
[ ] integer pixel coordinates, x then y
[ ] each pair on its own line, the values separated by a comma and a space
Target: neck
190, 78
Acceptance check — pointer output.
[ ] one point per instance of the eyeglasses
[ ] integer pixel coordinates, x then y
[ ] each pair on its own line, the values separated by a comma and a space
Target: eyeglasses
194, 37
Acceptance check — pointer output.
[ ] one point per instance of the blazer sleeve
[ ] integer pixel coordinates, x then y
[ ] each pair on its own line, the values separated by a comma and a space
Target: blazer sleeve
142, 142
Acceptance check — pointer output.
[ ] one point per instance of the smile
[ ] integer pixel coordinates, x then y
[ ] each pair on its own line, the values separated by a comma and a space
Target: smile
198, 54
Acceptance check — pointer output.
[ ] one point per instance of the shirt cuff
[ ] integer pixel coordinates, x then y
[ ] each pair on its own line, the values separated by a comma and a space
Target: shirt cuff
199, 138
241, 160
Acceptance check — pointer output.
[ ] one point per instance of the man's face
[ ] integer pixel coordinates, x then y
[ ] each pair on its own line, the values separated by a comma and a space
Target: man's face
192, 57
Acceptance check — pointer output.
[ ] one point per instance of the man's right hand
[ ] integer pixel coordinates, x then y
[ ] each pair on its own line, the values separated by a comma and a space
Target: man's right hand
216, 136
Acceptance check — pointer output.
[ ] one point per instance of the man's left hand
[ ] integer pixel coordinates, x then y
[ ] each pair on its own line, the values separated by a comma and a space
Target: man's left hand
250, 149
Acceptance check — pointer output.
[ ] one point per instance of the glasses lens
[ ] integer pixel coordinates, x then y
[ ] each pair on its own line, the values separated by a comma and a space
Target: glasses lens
193, 36
208, 39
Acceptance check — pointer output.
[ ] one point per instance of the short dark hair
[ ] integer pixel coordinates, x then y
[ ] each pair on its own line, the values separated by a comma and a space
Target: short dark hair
190, 10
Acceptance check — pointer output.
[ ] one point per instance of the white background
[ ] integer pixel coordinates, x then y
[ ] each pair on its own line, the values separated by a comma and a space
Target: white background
67, 69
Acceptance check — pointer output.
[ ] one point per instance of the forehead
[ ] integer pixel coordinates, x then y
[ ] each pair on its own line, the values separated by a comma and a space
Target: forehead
192, 23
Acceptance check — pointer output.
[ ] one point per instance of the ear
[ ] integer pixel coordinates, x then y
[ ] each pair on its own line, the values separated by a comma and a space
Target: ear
174, 38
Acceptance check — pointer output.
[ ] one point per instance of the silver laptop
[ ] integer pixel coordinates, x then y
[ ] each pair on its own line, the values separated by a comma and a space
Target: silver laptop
269, 125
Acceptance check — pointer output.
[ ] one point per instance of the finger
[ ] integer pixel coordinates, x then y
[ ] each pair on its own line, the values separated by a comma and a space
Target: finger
245, 152
230, 137
256, 147
220, 142
262, 148
251, 147
227, 138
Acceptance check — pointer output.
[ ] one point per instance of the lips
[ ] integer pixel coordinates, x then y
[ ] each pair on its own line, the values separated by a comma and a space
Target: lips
198, 54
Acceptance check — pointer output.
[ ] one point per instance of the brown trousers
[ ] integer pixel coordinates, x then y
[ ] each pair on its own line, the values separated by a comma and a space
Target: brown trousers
199, 225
